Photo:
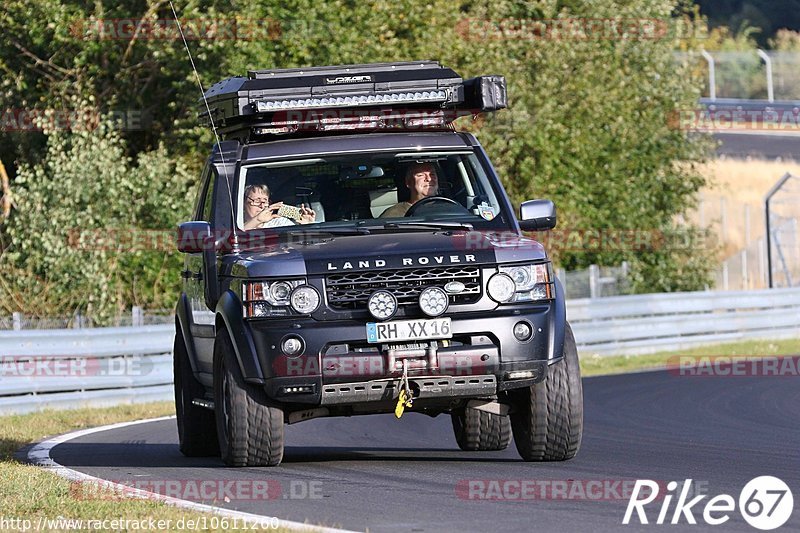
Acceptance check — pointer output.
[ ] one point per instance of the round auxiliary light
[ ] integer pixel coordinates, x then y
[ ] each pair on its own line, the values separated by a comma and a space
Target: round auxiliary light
292, 345
501, 288
305, 299
433, 301
382, 304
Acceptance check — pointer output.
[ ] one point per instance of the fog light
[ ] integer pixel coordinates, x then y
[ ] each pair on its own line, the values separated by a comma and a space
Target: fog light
501, 288
522, 331
382, 305
302, 389
292, 346
521, 374
433, 301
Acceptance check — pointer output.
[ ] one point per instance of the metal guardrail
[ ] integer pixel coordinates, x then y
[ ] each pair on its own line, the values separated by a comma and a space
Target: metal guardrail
111, 366
70, 368
649, 323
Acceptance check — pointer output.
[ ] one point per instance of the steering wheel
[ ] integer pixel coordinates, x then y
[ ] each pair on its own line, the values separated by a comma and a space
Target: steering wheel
429, 201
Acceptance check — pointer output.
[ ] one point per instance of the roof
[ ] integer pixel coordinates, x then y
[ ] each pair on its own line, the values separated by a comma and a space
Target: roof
371, 142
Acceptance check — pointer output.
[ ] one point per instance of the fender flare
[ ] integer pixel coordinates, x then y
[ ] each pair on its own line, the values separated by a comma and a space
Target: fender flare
558, 325
231, 319
183, 327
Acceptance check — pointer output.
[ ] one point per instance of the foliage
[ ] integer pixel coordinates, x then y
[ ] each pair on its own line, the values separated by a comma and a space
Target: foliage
768, 15
589, 125
786, 41
80, 230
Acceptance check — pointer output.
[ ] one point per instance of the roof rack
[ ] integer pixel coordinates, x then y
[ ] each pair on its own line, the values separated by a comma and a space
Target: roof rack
402, 95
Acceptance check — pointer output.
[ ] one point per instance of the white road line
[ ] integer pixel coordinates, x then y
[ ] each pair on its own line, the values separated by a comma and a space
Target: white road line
39, 455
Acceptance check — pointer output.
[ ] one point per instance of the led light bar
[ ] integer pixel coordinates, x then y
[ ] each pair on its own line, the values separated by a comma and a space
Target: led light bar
258, 103
354, 101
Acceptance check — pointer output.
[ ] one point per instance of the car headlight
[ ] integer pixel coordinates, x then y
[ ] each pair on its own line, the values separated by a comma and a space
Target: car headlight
268, 298
501, 288
305, 299
531, 282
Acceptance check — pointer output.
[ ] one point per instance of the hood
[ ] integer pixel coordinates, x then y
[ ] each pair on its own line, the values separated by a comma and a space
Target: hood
300, 256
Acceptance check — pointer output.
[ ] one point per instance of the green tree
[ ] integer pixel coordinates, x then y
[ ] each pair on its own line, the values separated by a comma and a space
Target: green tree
591, 123
80, 231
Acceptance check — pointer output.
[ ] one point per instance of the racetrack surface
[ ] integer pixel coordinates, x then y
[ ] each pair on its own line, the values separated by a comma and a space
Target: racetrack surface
383, 474
767, 145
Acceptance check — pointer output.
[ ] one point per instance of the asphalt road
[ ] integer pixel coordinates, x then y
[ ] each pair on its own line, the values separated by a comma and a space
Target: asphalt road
381, 474
759, 146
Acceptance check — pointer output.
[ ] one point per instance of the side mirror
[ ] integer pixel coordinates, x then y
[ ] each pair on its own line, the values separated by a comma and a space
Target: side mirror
194, 237
537, 215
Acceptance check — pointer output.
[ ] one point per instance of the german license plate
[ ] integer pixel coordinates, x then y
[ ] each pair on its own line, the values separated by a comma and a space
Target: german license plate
409, 330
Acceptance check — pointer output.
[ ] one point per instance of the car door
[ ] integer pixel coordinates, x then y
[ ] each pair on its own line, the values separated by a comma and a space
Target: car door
202, 318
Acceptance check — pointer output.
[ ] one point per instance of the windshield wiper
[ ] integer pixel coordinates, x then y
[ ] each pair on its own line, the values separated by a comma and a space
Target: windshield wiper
429, 225
330, 231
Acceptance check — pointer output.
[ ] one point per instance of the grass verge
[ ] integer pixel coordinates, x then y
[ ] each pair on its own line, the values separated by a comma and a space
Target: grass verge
595, 365
34, 499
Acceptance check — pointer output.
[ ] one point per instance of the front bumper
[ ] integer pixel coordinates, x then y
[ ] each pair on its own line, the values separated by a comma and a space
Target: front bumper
339, 367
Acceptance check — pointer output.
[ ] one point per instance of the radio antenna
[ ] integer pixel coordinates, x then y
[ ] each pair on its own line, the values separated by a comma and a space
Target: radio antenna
213, 127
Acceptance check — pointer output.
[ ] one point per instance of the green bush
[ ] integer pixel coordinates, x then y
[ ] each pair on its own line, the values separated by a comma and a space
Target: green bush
80, 228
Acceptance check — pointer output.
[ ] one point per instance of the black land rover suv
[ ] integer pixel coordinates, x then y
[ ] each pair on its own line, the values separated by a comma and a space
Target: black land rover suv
351, 253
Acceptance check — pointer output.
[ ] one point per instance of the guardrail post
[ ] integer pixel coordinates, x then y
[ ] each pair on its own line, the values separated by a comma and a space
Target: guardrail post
712, 79
594, 278
725, 275
747, 224
16, 318
768, 62
745, 280
137, 316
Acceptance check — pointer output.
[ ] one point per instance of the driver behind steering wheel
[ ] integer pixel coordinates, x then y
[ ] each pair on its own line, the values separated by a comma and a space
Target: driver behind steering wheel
422, 182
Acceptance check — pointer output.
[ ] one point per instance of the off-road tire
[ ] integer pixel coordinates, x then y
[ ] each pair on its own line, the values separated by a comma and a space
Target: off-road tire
197, 426
480, 431
250, 430
547, 418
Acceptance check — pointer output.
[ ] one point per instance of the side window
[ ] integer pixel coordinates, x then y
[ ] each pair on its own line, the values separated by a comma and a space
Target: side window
206, 208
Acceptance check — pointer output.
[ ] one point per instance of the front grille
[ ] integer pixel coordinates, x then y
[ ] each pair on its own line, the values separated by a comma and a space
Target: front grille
351, 290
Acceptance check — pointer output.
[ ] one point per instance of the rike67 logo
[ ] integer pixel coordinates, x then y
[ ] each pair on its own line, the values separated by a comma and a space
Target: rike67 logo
765, 503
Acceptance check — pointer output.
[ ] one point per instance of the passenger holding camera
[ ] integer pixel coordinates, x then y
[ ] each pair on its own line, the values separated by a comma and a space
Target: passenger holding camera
259, 213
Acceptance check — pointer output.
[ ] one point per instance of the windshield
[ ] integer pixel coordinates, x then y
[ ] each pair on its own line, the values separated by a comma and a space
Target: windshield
368, 190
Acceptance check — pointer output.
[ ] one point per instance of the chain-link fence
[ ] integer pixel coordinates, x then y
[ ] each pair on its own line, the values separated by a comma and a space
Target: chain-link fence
744, 270
783, 245
749, 75
137, 317
764, 262
596, 281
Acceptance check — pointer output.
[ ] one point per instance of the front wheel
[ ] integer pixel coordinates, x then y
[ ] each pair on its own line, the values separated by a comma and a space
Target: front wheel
250, 430
477, 430
197, 428
547, 419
